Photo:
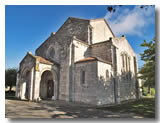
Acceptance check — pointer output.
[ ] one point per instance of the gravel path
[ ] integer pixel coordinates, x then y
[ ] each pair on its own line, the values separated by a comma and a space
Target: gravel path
58, 109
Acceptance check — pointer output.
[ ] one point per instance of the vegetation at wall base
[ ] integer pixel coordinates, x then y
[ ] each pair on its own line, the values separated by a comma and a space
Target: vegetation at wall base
144, 107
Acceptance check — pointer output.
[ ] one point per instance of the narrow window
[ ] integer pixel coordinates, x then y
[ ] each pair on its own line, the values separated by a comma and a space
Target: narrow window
126, 63
107, 75
83, 77
135, 65
111, 77
123, 66
129, 67
129, 64
123, 60
90, 35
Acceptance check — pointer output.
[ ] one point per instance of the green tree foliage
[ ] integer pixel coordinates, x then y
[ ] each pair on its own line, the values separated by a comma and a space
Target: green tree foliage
147, 72
10, 77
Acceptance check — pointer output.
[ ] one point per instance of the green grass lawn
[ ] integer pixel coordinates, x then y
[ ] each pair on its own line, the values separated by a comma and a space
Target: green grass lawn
144, 107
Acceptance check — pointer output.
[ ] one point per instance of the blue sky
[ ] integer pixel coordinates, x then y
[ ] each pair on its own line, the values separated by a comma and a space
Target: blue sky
26, 27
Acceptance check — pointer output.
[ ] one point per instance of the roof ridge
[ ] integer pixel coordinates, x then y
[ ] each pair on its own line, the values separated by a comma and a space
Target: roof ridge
79, 18
97, 19
86, 19
92, 58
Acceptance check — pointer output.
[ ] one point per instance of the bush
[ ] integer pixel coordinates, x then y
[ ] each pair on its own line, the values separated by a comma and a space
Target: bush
152, 91
145, 92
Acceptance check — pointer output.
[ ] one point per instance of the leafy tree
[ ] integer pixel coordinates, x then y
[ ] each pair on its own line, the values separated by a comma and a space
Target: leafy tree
10, 77
147, 72
113, 8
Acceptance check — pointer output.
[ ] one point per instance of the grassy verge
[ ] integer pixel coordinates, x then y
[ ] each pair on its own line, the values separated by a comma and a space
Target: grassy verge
144, 107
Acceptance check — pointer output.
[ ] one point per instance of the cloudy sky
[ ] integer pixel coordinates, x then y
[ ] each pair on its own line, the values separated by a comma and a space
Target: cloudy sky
130, 21
26, 27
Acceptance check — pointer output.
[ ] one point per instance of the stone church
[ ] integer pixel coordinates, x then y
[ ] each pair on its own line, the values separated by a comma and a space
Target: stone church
82, 62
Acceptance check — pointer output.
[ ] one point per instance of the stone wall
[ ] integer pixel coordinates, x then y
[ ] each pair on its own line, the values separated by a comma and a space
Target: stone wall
102, 51
97, 89
105, 85
85, 92
73, 27
80, 50
51, 50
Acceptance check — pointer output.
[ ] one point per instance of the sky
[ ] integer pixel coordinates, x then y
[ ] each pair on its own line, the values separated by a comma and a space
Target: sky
28, 26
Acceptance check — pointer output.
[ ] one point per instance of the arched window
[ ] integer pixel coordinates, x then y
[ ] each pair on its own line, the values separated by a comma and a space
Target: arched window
126, 67
122, 60
107, 75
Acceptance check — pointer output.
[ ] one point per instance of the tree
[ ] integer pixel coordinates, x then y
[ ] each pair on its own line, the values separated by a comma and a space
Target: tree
113, 8
10, 77
147, 71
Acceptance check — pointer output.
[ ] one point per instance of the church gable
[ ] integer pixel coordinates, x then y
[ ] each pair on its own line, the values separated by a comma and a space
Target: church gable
55, 47
122, 44
28, 62
28, 58
73, 27
100, 30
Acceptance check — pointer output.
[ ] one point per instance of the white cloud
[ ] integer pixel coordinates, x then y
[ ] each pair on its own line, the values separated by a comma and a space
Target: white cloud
132, 22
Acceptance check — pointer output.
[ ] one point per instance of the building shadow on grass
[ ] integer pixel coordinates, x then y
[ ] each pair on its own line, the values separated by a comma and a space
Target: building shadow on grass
144, 107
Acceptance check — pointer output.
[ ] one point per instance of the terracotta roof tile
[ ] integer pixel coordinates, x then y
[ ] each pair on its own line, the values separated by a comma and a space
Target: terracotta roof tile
93, 59
43, 60
87, 59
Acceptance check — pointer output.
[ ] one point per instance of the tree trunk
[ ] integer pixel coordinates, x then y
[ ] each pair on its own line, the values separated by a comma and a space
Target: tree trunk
10, 88
149, 89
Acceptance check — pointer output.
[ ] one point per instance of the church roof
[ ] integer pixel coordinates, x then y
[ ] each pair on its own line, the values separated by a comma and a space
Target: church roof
43, 60
92, 59
87, 59
97, 19
39, 58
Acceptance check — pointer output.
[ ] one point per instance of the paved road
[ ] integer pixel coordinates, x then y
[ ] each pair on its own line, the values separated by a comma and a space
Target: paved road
57, 109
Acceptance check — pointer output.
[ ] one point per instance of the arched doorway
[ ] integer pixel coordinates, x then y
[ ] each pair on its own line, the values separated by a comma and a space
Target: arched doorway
47, 85
28, 80
25, 88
